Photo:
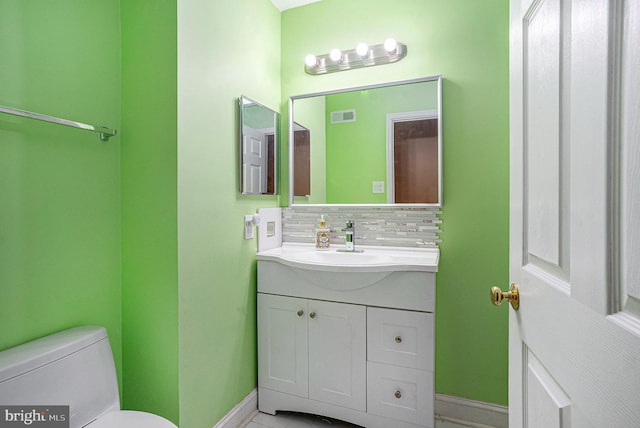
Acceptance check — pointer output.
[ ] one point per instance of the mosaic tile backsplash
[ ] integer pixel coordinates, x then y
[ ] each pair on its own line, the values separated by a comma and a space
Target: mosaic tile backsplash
384, 226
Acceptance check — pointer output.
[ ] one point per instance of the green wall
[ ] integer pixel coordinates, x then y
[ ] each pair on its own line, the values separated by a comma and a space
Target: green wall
357, 151
189, 279
467, 42
149, 207
225, 49
59, 187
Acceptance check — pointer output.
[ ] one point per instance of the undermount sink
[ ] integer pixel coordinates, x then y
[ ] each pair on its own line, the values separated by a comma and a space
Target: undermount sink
372, 259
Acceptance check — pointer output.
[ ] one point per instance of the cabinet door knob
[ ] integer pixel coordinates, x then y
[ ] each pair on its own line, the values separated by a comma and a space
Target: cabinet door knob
312, 314
398, 394
398, 339
300, 312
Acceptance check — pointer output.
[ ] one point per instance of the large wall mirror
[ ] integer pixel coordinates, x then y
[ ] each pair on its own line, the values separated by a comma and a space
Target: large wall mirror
379, 145
258, 146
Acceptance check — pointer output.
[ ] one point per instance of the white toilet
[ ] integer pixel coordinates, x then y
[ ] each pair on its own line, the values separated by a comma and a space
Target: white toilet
73, 367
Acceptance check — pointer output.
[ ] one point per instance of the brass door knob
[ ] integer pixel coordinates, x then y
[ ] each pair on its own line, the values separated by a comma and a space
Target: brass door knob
398, 339
398, 394
513, 296
300, 312
312, 314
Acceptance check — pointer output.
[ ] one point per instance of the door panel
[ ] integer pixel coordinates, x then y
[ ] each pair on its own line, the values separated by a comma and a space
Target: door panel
588, 115
630, 162
282, 344
337, 354
574, 343
547, 405
254, 161
542, 143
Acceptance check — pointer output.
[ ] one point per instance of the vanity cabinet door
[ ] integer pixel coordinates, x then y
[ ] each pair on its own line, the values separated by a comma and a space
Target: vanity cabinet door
337, 354
282, 344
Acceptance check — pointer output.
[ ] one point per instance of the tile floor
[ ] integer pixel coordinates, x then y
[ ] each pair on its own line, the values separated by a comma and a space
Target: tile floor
300, 420
295, 420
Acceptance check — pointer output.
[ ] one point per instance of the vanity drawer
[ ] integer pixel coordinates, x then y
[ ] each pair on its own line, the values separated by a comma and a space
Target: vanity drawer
400, 393
403, 338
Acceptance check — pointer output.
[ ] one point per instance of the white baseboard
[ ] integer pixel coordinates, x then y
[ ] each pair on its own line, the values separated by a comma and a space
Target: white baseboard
462, 411
471, 413
241, 413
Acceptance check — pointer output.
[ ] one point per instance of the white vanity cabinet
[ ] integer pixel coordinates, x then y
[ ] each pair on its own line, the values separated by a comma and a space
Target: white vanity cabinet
313, 349
361, 353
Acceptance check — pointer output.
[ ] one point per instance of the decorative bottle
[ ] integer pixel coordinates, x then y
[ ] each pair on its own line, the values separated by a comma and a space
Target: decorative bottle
323, 241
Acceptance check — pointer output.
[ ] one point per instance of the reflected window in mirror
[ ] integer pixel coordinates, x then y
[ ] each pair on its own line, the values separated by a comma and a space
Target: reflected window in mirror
258, 148
372, 145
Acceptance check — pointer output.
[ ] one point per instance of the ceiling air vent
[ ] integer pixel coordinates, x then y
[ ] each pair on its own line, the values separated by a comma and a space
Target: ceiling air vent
343, 116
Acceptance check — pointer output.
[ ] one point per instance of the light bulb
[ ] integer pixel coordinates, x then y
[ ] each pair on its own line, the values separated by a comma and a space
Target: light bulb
362, 49
335, 54
390, 45
310, 60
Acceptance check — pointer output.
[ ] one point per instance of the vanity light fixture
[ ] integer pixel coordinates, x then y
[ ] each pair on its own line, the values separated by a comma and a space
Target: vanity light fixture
335, 55
310, 60
390, 45
362, 49
362, 56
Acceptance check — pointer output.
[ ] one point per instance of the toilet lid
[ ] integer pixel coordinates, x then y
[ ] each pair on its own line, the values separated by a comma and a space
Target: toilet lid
130, 419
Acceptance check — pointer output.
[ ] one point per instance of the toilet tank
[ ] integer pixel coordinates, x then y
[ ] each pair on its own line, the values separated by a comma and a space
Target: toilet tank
73, 367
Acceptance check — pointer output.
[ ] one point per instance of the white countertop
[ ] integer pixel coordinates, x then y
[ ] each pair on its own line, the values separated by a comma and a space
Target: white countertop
372, 259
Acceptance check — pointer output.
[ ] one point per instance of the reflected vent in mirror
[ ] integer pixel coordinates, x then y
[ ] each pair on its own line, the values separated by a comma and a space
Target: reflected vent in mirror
343, 116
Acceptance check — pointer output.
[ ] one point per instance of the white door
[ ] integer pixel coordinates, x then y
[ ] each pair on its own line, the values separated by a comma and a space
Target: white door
254, 161
338, 354
574, 344
283, 344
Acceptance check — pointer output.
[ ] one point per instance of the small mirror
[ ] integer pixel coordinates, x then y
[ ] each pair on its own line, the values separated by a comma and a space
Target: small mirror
379, 144
258, 145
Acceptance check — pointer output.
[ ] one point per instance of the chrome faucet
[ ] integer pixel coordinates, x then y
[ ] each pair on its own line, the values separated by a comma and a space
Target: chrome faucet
350, 236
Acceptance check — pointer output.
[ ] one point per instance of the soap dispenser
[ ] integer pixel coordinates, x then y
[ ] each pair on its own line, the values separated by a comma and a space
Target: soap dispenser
323, 240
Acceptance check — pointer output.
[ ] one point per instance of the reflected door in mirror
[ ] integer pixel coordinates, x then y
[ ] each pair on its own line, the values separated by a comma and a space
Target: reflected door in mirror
258, 147
415, 161
302, 159
271, 164
254, 163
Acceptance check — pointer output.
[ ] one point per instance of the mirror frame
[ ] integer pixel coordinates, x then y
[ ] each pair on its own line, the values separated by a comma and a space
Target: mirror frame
437, 78
276, 141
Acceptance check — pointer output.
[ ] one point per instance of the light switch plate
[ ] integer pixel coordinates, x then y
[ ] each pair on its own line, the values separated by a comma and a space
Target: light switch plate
270, 229
378, 187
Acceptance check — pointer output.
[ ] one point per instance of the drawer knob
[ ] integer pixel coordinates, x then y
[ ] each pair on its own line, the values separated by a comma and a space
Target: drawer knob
312, 314
398, 339
300, 312
398, 394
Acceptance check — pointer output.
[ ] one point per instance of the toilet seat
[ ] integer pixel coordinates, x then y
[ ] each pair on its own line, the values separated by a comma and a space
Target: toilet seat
130, 419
